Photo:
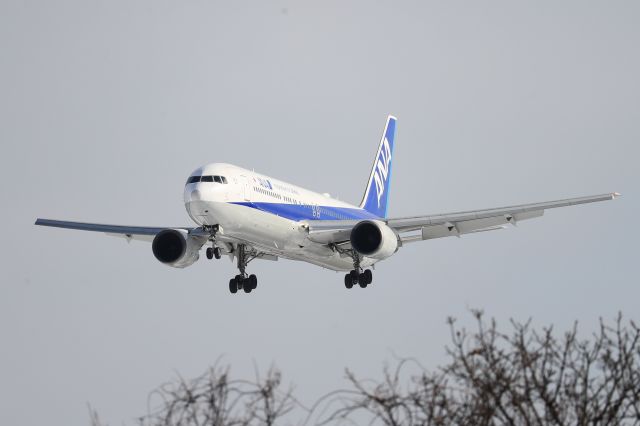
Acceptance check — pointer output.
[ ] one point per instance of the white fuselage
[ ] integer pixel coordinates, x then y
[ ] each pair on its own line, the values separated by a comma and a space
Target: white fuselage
267, 213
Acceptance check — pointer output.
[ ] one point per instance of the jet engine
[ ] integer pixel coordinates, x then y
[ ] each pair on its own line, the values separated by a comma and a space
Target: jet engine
374, 239
177, 248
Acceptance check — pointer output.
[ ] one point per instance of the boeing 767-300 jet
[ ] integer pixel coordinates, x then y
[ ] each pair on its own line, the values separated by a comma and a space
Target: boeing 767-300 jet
248, 216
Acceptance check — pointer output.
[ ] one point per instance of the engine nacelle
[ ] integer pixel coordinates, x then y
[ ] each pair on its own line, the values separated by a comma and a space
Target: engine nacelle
177, 248
374, 239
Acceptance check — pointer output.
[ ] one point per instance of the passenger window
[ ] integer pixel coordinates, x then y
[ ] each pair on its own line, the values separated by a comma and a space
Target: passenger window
193, 179
224, 179
207, 179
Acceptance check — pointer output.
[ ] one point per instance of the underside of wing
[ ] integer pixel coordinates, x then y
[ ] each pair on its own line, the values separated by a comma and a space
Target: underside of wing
144, 233
227, 245
330, 231
456, 228
455, 224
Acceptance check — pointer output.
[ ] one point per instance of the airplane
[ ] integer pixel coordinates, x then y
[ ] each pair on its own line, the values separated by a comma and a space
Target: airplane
249, 216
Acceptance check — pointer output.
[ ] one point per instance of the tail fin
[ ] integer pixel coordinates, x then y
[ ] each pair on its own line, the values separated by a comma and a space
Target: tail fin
376, 196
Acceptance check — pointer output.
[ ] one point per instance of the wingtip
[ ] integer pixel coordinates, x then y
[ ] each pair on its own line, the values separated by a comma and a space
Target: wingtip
616, 195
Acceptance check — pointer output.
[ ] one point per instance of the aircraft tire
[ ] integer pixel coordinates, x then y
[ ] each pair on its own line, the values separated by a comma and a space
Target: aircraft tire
362, 282
368, 276
253, 281
348, 282
246, 286
216, 253
209, 253
233, 285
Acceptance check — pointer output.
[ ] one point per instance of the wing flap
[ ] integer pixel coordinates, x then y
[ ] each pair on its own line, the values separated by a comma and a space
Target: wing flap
129, 237
452, 229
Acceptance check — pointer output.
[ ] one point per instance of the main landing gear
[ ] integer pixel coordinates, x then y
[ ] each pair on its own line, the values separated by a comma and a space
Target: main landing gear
362, 279
243, 281
358, 276
239, 283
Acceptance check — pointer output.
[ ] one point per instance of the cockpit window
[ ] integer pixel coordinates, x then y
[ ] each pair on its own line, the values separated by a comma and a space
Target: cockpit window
217, 179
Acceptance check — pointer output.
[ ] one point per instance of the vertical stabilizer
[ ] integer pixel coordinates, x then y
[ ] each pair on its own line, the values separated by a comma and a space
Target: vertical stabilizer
376, 196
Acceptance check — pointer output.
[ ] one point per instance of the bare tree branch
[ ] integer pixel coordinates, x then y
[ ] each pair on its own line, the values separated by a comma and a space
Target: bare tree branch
526, 377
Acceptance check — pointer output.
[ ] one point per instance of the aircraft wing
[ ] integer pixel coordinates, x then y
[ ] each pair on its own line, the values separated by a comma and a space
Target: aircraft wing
418, 228
147, 233
129, 232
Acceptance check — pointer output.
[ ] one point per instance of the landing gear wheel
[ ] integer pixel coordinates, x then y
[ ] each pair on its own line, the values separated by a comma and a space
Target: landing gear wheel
215, 252
368, 276
348, 282
354, 277
245, 282
362, 281
209, 253
233, 285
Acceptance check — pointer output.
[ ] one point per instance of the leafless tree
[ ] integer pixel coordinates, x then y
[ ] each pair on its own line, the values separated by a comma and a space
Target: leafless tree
526, 377
214, 399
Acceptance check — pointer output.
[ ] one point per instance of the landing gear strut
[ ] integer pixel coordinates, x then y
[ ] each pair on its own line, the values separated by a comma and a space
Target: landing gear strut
357, 275
242, 280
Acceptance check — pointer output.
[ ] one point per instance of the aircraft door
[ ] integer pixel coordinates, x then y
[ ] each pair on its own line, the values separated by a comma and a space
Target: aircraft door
246, 184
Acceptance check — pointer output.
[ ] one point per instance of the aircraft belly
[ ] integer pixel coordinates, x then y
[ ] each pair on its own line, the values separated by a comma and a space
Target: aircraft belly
248, 224
269, 232
335, 261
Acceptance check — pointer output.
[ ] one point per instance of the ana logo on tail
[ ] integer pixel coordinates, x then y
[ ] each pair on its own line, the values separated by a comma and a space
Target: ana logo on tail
375, 199
382, 169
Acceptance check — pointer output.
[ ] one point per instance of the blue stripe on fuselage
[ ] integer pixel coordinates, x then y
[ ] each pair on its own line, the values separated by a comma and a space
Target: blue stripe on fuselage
305, 212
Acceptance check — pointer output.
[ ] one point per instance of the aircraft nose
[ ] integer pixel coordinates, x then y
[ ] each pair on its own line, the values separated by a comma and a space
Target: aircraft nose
195, 195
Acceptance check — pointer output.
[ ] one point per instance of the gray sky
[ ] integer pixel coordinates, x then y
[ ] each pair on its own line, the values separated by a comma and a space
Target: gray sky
106, 107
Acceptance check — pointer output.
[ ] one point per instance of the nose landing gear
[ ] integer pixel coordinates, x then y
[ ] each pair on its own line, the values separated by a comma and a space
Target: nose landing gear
213, 252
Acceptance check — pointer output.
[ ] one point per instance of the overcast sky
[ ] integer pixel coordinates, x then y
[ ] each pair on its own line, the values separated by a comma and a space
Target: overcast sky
106, 107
